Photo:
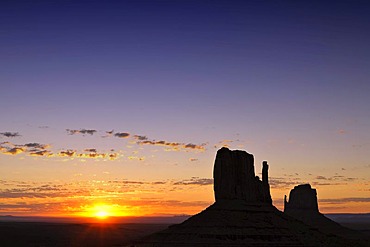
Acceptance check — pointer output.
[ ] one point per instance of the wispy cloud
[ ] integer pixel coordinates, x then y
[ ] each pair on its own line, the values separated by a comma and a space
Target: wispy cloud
88, 153
41, 153
108, 133
14, 151
284, 182
223, 143
140, 137
81, 131
175, 146
34, 149
136, 158
336, 178
345, 200
36, 145
39, 149
68, 153
195, 181
10, 134
122, 134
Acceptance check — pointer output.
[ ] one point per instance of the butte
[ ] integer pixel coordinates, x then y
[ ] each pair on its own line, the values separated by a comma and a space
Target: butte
242, 214
303, 206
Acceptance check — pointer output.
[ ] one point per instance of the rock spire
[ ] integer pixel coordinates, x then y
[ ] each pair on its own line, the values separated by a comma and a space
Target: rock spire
235, 179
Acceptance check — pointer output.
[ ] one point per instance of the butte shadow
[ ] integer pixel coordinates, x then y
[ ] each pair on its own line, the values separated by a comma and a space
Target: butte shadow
242, 215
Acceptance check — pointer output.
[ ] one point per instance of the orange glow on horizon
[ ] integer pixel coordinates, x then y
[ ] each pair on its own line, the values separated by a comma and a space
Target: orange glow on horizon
102, 215
104, 211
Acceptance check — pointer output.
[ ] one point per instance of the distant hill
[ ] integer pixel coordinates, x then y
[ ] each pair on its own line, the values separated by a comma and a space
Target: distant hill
350, 218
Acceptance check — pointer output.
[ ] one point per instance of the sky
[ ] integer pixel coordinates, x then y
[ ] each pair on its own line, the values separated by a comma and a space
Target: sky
121, 106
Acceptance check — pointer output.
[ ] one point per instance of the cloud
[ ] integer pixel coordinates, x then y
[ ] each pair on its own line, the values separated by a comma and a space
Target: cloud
36, 145
39, 149
140, 138
283, 183
345, 200
33, 149
14, 151
175, 146
193, 159
158, 182
113, 156
121, 134
89, 153
195, 181
41, 153
336, 178
35, 190
171, 203
68, 153
223, 143
81, 131
10, 134
290, 180
131, 182
117, 134
109, 133
136, 158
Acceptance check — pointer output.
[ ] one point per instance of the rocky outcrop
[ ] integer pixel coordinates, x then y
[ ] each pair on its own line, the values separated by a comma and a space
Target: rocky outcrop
302, 197
234, 178
303, 206
242, 215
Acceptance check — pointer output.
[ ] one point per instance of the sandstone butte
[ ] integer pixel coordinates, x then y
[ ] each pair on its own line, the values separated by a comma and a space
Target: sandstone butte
243, 214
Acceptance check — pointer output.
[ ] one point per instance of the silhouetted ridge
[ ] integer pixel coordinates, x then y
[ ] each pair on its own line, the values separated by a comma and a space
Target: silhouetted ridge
302, 197
303, 206
234, 177
242, 215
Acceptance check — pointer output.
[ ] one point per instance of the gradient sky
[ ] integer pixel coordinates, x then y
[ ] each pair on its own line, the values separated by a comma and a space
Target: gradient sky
123, 104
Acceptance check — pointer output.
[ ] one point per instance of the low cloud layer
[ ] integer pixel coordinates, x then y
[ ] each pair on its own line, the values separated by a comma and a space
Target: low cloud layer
74, 196
43, 150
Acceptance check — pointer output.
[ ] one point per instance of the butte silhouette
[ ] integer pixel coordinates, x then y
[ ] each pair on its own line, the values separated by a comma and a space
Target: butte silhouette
242, 215
303, 206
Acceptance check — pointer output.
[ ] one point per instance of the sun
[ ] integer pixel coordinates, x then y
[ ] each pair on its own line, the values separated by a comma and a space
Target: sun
101, 211
102, 214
